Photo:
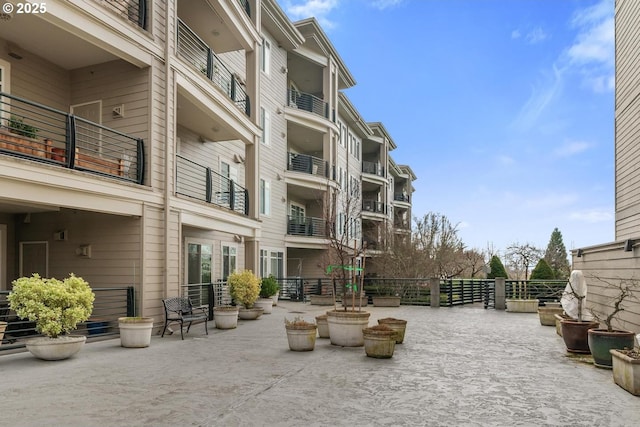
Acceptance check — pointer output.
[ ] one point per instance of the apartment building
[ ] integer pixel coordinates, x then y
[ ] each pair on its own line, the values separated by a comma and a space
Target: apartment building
618, 260
156, 144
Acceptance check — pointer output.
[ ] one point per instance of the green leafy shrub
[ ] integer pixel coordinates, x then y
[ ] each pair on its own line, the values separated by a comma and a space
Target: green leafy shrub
244, 287
56, 306
542, 271
17, 126
497, 268
268, 287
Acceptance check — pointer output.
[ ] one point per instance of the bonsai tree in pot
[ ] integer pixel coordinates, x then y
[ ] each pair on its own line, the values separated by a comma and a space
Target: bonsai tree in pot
56, 307
244, 288
574, 328
601, 341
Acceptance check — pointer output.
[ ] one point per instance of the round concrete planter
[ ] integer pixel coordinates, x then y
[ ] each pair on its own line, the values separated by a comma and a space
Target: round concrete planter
301, 337
135, 332
323, 326
601, 342
345, 327
379, 341
265, 303
397, 325
250, 313
225, 317
575, 335
62, 347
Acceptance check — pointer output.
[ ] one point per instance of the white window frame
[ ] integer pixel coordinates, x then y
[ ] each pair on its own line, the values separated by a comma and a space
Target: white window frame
5, 86
266, 261
265, 63
201, 243
230, 246
265, 123
265, 197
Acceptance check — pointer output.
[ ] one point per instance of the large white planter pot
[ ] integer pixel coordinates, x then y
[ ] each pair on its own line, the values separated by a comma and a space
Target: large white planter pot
522, 305
265, 303
225, 317
379, 344
345, 327
3, 327
626, 371
250, 313
301, 338
275, 298
323, 326
59, 348
135, 332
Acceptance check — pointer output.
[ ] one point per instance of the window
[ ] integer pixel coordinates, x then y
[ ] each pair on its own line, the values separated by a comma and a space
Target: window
229, 259
343, 135
266, 56
357, 148
265, 123
199, 263
264, 263
265, 197
271, 262
4, 87
353, 187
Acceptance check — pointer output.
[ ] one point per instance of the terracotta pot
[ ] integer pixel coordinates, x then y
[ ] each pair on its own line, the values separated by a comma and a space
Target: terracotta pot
601, 342
575, 335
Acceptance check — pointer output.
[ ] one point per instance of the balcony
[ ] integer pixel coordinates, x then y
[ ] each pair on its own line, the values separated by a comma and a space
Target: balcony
197, 53
132, 10
40, 133
374, 206
201, 183
308, 164
306, 226
308, 102
399, 197
373, 168
245, 6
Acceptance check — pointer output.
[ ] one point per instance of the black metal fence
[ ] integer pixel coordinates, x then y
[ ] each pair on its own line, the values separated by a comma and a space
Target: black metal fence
132, 10
542, 290
207, 295
110, 303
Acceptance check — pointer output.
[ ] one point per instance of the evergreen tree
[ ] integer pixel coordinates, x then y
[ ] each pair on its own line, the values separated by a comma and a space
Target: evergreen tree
497, 268
542, 271
556, 256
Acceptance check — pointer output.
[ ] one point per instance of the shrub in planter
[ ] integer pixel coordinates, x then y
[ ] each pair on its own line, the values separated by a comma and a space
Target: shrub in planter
244, 287
268, 287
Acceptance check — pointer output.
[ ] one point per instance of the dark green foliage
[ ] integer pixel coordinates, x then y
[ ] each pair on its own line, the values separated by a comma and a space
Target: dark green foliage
556, 256
497, 268
542, 271
268, 287
17, 126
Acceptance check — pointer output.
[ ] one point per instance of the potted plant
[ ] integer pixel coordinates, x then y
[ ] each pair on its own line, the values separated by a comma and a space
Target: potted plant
575, 327
17, 126
387, 295
398, 325
135, 332
301, 334
323, 326
379, 341
226, 316
268, 288
521, 301
601, 341
244, 288
626, 369
56, 307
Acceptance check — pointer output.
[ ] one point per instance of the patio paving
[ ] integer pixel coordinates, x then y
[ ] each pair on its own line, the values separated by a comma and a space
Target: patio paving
462, 366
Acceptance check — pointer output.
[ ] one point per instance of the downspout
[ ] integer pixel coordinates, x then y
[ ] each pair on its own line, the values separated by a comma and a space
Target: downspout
169, 132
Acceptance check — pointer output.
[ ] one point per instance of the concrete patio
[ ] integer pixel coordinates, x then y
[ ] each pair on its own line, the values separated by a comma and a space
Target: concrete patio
457, 366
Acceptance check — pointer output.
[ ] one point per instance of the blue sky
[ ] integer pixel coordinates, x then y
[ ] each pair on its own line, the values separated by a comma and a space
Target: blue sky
504, 109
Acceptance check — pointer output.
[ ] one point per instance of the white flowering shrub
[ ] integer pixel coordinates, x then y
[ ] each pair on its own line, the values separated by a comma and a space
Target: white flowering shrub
55, 306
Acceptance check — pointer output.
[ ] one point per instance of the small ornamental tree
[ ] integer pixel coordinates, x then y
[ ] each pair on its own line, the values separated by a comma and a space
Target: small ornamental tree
55, 306
497, 268
268, 287
244, 287
542, 271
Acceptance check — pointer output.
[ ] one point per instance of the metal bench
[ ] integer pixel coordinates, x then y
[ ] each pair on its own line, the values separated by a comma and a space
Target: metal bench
180, 309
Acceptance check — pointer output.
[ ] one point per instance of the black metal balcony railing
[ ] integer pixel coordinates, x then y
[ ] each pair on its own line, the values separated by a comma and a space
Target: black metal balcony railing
374, 206
306, 226
196, 52
373, 168
399, 197
201, 183
308, 164
41, 133
401, 223
246, 6
307, 102
133, 10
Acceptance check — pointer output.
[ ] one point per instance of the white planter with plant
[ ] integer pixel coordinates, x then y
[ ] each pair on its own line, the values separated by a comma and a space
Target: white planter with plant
268, 288
135, 332
244, 288
56, 307
225, 317
301, 335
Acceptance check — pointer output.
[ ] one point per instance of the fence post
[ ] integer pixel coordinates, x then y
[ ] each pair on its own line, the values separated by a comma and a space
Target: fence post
210, 299
434, 289
500, 298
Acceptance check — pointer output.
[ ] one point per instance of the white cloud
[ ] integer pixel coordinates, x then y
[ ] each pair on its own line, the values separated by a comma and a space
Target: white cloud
541, 96
515, 34
536, 35
385, 4
319, 9
592, 215
569, 148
